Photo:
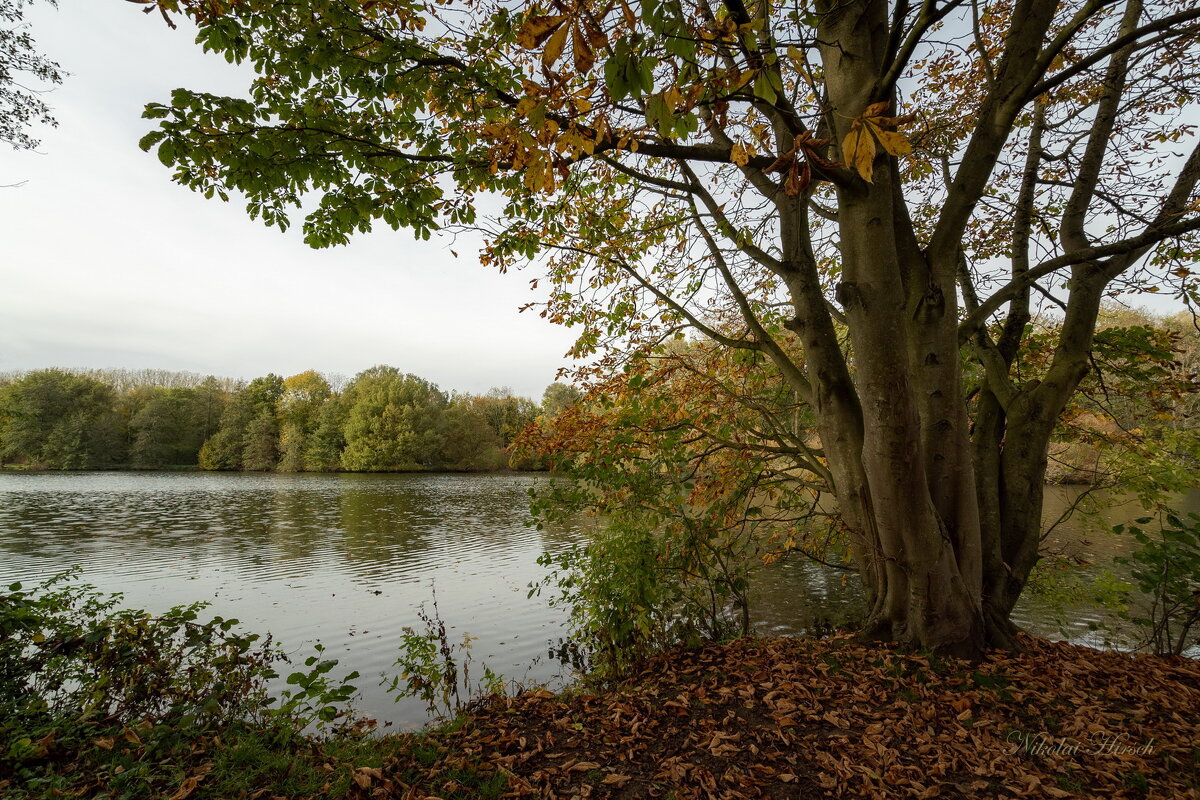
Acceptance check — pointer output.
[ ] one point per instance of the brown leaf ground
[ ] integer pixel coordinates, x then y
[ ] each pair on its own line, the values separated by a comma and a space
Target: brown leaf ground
797, 718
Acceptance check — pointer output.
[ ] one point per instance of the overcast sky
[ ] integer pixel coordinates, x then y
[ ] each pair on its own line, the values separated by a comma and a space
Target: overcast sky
104, 262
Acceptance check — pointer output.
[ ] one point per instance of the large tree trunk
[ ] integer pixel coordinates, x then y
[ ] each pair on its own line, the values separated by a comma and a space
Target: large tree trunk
920, 517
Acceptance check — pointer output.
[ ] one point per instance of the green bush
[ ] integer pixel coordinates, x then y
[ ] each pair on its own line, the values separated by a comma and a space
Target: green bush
113, 702
437, 671
638, 588
1166, 569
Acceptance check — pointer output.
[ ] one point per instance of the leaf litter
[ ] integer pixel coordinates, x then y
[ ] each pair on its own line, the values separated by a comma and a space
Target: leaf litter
794, 718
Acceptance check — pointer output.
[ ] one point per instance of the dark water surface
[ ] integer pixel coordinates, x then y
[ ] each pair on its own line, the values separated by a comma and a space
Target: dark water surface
348, 560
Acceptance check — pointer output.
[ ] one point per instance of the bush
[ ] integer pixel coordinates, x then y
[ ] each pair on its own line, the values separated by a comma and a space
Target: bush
1166, 569
636, 589
437, 671
95, 698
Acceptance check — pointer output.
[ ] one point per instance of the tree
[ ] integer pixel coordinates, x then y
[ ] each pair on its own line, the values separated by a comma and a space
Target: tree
874, 196
558, 397
20, 62
304, 395
323, 449
394, 422
469, 443
52, 418
165, 430
505, 413
248, 434
673, 453
260, 445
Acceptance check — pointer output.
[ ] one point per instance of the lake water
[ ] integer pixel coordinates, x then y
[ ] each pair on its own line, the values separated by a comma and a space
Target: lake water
349, 560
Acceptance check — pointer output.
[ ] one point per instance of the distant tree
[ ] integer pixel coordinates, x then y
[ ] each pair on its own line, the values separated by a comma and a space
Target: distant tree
165, 430
469, 441
209, 400
22, 70
260, 444
303, 396
127, 380
558, 397
394, 422
55, 419
264, 393
221, 451
506, 413
323, 448
227, 449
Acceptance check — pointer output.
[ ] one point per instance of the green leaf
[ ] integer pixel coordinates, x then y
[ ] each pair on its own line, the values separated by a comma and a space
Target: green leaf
763, 88
166, 153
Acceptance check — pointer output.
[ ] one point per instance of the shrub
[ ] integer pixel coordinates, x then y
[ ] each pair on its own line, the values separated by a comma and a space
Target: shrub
1166, 569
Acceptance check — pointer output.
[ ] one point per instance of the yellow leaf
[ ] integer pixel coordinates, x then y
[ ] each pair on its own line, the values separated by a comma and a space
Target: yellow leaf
585, 58
673, 97
875, 109
554, 46
535, 30
738, 154
858, 150
893, 142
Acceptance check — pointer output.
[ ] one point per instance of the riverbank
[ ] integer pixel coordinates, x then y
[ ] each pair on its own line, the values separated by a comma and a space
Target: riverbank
781, 718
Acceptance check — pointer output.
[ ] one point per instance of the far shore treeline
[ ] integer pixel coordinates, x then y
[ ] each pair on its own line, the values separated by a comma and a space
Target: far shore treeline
382, 420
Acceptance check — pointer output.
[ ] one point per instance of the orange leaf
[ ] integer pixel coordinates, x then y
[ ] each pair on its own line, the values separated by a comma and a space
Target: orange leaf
781, 163
875, 109
799, 178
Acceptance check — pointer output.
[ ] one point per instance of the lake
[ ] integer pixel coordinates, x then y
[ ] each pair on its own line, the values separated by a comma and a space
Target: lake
350, 560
